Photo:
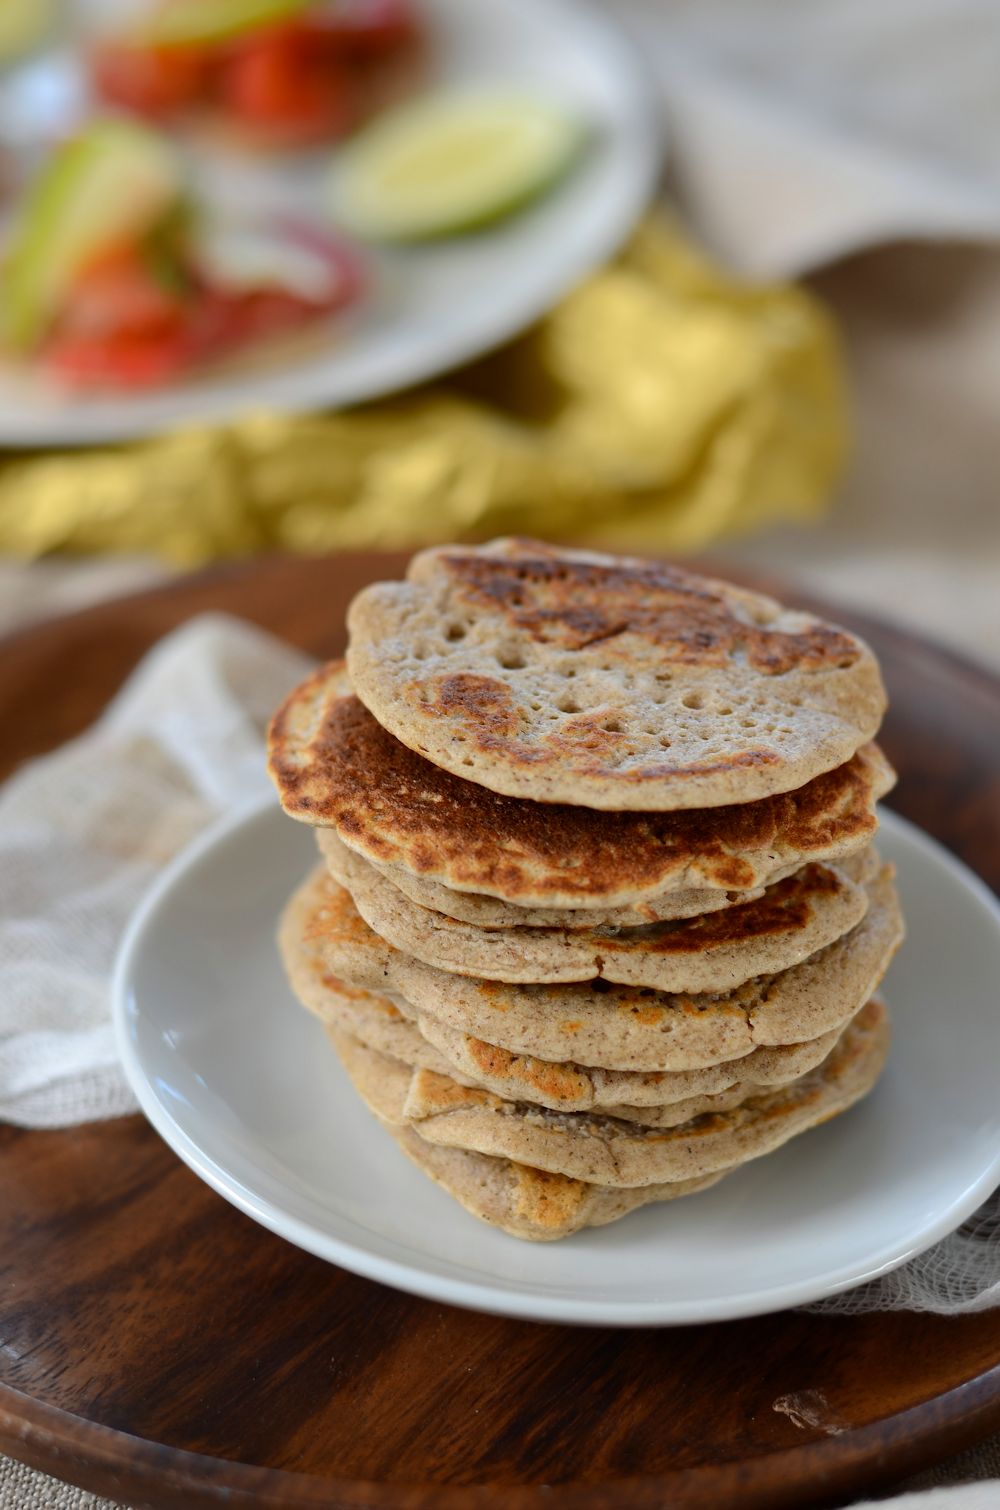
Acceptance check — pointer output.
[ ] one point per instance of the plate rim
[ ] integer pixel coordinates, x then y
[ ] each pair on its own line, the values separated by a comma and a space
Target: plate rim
481, 1295
294, 389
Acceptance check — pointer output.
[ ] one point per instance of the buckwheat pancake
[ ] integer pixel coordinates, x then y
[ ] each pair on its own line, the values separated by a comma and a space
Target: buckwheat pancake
397, 1029
607, 682
382, 1027
371, 1023
603, 1025
604, 1150
528, 1203
525, 1202
791, 920
619, 1093
335, 766
490, 912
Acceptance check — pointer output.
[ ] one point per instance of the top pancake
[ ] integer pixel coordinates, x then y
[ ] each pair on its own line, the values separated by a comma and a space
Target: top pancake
335, 766
607, 682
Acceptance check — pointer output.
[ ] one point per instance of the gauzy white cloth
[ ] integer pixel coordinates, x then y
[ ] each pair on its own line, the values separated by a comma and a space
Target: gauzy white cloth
798, 133
84, 831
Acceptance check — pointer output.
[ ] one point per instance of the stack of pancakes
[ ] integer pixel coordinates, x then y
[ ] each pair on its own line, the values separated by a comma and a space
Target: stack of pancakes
598, 917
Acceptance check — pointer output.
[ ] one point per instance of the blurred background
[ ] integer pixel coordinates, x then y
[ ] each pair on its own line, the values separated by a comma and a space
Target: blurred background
715, 279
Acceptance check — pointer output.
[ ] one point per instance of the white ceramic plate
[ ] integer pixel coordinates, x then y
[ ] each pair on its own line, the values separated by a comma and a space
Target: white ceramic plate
241, 1083
432, 307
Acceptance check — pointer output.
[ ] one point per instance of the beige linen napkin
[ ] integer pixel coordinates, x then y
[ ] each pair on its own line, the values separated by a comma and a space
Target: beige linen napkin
85, 830
800, 133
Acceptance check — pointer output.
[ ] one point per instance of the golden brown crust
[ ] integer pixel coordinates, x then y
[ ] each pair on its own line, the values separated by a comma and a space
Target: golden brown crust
334, 765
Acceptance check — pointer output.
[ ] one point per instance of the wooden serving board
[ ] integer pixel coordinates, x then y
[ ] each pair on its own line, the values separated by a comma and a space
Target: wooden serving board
159, 1347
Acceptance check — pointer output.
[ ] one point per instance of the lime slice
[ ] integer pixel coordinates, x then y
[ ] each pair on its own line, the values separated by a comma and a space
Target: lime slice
179, 23
452, 163
108, 183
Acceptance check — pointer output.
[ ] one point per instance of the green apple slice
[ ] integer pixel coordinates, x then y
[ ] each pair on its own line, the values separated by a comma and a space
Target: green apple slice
186, 23
451, 164
107, 184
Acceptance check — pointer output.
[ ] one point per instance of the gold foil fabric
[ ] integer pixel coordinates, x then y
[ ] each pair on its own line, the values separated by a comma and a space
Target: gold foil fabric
660, 404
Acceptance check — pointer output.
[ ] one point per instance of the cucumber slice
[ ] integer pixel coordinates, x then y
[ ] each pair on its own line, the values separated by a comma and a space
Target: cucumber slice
451, 164
105, 185
180, 23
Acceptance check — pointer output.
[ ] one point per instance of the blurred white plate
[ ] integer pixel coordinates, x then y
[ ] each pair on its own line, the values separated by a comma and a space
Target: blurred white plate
240, 1082
432, 307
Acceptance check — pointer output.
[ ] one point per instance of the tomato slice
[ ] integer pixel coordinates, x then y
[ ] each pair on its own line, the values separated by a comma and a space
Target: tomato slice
286, 83
217, 325
121, 325
150, 81
122, 329
282, 92
119, 291
127, 359
366, 29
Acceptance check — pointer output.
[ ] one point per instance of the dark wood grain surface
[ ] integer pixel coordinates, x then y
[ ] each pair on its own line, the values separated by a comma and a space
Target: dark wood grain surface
157, 1346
